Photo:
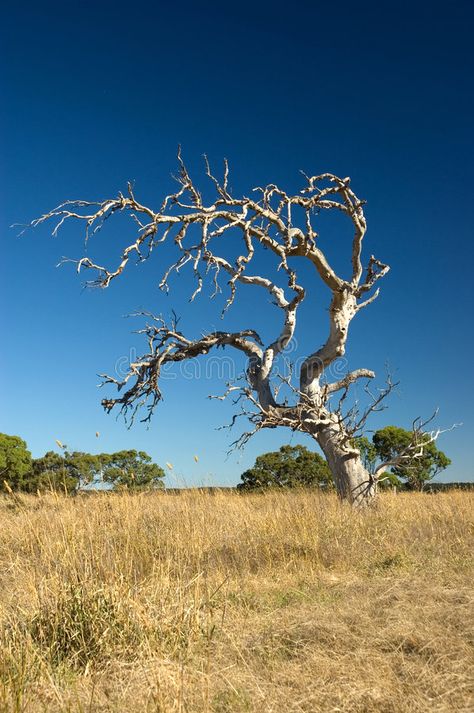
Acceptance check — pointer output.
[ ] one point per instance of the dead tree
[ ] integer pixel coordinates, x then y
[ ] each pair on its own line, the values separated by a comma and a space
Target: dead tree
284, 224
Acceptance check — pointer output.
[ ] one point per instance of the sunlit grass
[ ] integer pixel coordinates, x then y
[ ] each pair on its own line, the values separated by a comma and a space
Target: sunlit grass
201, 602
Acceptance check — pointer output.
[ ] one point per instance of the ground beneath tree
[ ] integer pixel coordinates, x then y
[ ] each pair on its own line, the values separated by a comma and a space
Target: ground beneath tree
200, 602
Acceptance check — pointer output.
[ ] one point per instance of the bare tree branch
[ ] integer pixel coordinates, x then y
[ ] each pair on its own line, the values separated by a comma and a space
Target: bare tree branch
167, 345
349, 379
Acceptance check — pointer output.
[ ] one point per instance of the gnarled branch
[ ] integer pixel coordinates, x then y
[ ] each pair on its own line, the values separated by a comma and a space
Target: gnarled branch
168, 345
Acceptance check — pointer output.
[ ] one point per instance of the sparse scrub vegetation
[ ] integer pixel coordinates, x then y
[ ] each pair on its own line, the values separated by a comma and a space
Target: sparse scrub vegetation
282, 601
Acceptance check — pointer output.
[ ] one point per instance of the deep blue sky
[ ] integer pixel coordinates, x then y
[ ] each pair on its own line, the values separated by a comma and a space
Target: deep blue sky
95, 94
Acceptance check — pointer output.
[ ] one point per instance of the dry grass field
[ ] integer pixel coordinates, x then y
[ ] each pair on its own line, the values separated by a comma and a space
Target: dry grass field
271, 603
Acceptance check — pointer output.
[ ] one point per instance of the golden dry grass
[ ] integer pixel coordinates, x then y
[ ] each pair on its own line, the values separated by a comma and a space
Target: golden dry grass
269, 603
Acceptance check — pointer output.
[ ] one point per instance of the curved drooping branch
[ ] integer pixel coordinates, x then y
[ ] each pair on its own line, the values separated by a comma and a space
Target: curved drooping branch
167, 345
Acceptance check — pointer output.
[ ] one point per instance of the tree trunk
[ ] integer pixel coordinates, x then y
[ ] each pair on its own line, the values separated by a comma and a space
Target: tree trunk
353, 482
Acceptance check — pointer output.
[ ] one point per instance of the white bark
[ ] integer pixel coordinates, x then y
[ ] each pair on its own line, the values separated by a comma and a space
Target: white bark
353, 482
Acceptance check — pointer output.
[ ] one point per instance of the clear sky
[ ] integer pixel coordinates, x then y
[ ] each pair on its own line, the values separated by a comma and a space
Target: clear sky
97, 93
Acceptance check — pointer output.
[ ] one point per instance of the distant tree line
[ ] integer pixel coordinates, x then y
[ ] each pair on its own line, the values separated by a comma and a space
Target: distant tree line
69, 471
289, 467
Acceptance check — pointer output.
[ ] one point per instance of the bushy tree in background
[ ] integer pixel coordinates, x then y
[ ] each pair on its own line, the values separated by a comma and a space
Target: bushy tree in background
53, 471
413, 469
290, 467
132, 469
15, 461
125, 469
392, 442
65, 472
